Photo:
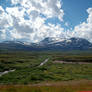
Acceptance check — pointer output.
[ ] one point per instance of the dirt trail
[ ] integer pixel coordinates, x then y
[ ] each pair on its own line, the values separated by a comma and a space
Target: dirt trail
66, 62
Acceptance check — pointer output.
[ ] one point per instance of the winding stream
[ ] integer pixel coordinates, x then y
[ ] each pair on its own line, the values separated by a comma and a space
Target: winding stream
6, 72
45, 61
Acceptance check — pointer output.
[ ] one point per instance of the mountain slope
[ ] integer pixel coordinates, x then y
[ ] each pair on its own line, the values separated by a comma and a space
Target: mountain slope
48, 44
66, 44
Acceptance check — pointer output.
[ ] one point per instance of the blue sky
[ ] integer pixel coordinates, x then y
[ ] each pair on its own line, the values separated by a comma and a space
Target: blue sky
75, 10
45, 18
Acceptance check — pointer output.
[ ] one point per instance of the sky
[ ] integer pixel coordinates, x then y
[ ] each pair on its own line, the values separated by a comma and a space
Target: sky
34, 20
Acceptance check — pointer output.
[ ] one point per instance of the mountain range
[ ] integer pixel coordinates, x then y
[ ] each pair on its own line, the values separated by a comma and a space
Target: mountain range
48, 44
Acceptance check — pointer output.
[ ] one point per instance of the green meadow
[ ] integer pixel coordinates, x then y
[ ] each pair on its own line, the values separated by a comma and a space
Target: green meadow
50, 77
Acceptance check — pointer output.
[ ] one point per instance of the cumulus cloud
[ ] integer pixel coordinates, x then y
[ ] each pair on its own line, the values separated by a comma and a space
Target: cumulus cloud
26, 19
3, 23
84, 30
49, 8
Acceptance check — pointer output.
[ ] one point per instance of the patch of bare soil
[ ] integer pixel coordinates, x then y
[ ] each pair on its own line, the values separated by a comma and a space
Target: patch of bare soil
66, 62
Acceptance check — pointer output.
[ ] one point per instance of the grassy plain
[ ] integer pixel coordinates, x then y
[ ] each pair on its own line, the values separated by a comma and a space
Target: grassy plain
58, 76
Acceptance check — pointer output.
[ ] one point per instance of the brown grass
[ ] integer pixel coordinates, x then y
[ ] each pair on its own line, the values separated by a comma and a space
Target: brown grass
71, 86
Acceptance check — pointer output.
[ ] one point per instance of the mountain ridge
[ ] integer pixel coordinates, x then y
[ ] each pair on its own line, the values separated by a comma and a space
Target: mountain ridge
48, 44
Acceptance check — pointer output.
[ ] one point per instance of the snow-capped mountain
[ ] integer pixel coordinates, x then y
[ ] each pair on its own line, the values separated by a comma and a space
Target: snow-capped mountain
65, 44
49, 44
51, 40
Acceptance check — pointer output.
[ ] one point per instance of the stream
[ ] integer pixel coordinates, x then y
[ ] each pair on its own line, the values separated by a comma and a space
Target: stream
6, 72
45, 61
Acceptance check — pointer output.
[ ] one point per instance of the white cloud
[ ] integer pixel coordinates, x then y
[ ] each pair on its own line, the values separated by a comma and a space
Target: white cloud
50, 8
66, 24
26, 21
84, 30
3, 23
2, 35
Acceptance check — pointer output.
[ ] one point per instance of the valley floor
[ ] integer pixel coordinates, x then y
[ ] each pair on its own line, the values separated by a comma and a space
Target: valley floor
45, 72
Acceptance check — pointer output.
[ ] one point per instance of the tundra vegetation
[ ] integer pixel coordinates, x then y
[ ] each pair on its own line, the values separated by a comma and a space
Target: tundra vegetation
28, 72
